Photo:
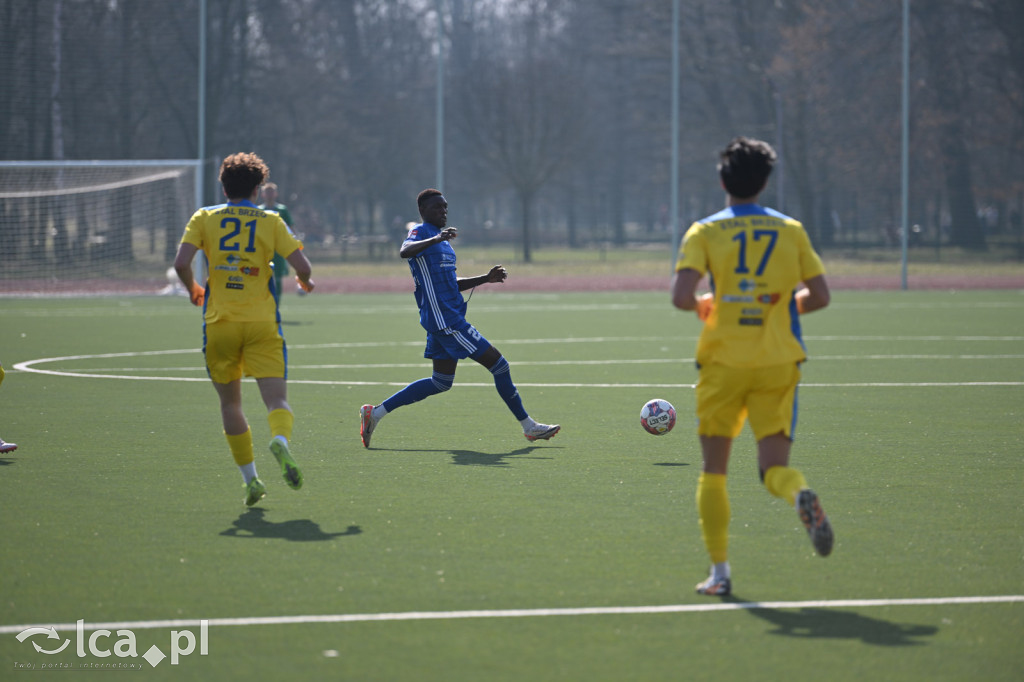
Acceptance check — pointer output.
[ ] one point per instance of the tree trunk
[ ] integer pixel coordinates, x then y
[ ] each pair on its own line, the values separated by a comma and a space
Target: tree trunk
947, 79
525, 201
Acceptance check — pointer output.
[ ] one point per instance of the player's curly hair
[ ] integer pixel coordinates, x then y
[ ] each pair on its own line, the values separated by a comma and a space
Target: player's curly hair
242, 173
422, 197
744, 166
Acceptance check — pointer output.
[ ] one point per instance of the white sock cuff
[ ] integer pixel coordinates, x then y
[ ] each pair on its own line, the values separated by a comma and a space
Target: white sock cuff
248, 471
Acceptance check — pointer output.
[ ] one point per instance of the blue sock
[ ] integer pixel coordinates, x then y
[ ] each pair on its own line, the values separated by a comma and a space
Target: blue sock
506, 389
418, 390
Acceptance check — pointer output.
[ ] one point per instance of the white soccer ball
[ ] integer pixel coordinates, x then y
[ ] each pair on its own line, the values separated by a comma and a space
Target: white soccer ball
658, 417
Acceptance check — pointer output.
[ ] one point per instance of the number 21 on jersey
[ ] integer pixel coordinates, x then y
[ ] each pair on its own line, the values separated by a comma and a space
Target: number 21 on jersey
229, 242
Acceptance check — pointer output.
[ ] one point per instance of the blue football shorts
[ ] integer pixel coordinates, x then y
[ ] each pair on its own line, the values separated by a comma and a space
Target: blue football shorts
455, 343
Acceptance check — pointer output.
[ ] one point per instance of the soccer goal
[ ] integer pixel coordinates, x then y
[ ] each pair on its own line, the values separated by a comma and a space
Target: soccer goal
91, 226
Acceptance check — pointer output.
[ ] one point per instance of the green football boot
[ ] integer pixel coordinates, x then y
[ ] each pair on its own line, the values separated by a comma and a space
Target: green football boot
289, 469
254, 492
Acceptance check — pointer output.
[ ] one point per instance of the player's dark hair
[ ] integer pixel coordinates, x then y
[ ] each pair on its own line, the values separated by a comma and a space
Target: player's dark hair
744, 166
426, 194
241, 174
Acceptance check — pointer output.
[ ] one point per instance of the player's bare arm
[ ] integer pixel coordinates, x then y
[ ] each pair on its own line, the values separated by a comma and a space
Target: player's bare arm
412, 249
684, 289
183, 266
814, 297
495, 275
684, 293
303, 269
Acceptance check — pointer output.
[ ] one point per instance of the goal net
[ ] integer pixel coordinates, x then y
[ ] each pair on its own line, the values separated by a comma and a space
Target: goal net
93, 226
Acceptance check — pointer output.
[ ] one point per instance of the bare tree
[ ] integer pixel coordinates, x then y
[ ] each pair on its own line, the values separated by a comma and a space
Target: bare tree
520, 107
558, 110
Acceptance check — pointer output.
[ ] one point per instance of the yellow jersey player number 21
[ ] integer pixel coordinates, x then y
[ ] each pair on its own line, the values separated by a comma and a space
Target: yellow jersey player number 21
241, 324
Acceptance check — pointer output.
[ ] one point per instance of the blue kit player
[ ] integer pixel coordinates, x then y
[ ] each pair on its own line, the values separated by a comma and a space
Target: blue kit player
450, 337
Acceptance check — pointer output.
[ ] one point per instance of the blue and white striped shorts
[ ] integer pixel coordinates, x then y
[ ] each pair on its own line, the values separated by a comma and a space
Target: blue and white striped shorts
455, 343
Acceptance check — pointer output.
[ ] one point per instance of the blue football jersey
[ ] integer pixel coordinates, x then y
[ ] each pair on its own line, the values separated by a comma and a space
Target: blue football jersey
437, 288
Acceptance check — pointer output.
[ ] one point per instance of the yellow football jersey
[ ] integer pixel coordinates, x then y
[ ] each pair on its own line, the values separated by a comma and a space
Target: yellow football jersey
239, 241
756, 258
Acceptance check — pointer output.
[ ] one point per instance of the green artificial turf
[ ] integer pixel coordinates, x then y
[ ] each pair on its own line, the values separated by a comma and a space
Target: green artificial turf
122, 504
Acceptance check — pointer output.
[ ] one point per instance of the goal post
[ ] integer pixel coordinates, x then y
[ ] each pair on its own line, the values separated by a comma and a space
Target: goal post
88, 226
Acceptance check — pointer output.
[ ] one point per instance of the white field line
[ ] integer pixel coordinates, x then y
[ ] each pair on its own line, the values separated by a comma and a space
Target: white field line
662, 339
532, 303
566, 363
528, 384
520, 613
31, 366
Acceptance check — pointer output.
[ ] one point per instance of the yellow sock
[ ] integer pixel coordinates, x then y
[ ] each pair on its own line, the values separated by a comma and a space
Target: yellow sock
714, 511
241, 447
281, 421
784, 483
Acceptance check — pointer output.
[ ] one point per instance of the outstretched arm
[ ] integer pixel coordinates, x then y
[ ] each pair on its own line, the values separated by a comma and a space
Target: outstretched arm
495, 275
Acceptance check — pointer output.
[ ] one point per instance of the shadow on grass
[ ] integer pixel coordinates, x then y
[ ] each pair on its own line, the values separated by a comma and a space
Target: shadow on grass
492, 459
481, 459
251, 524
816, 623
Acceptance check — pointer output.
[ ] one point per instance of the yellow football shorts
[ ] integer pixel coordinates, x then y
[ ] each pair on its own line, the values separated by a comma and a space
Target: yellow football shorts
255, 348
727, 396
